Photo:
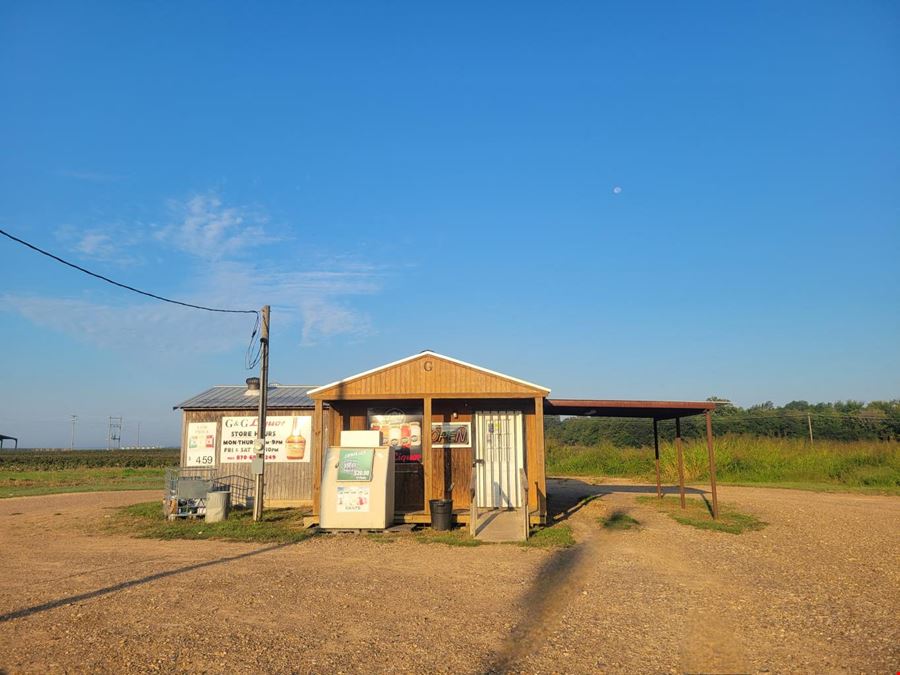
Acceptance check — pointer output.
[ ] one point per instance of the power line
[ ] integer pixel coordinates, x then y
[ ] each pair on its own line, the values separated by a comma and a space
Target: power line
125, 286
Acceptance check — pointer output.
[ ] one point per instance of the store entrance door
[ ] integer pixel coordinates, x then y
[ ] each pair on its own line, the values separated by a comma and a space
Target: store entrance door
499, 454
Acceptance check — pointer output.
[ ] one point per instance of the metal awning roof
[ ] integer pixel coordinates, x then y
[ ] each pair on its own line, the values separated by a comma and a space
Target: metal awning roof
235, 397
660, 410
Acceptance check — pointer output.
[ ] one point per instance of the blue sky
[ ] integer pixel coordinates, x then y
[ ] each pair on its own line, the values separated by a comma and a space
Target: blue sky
392, 177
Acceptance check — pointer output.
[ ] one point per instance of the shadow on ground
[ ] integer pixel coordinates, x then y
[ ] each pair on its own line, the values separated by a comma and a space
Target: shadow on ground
53, 604
567, 496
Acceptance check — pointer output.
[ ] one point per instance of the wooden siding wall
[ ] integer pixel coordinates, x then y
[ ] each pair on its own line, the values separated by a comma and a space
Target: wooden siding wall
287, 484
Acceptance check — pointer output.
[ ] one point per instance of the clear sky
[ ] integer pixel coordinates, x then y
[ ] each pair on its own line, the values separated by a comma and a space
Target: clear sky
614, 200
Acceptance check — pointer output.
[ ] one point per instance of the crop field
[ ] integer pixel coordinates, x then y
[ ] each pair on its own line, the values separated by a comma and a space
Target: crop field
865, 466
26, 473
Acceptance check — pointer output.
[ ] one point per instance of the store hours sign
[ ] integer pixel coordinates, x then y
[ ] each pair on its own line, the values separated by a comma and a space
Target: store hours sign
288, 439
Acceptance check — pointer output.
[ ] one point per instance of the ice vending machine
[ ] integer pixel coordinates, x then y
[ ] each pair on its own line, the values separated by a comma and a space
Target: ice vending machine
357, 486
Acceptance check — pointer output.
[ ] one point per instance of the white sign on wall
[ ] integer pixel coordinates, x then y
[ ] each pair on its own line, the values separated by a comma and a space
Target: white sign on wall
288, 439
201, 444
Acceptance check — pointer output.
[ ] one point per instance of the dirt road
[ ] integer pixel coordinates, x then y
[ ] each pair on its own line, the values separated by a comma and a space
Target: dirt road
818, 589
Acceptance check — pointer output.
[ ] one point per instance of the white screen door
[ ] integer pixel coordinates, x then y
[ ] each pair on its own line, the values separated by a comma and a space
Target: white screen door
499, 454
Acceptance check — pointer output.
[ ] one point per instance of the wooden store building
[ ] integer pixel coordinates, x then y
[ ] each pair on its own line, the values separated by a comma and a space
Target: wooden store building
456, 429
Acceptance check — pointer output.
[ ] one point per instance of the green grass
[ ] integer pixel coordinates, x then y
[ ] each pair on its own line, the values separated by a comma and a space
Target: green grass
864, 466
554, 536
146, 520
45, 482
697, 514
619, 520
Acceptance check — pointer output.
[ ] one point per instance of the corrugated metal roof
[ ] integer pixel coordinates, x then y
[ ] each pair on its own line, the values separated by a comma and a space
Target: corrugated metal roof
235, 397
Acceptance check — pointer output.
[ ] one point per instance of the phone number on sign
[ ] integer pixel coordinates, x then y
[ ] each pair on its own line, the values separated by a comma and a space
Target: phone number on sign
247, 458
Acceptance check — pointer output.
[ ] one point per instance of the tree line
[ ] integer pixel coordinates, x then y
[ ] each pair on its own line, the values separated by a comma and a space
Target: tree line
840, 421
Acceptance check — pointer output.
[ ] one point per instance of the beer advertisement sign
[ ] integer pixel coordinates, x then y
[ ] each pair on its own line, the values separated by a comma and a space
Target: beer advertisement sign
355, 464
201, 444
288, 439
400, 431
451, 435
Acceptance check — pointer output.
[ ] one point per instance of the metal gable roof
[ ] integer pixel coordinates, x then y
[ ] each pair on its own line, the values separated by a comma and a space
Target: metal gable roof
235, 397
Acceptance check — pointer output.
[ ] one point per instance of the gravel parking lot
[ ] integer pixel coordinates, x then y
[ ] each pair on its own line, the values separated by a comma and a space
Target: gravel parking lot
818, 589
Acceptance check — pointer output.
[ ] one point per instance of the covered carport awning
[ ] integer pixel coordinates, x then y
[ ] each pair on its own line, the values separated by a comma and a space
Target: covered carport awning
9, 438
656, 411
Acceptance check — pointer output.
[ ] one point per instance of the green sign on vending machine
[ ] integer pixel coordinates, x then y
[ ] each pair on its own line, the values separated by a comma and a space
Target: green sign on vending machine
355, 465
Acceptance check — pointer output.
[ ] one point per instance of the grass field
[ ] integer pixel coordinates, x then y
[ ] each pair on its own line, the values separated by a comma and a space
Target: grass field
30, 483
26, 473
868, 466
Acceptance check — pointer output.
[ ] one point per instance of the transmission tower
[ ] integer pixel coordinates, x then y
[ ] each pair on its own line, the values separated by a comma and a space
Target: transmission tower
114, 434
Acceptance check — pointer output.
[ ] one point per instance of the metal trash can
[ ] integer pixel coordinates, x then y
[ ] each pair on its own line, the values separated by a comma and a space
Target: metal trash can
441, 513
218, 504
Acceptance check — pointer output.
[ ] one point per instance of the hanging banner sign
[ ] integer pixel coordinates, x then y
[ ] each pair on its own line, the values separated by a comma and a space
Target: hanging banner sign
451, 435
201, 444
288, 439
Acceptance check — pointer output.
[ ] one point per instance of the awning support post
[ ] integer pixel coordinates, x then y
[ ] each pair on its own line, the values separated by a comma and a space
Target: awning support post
680, 453
656, 449
712, 465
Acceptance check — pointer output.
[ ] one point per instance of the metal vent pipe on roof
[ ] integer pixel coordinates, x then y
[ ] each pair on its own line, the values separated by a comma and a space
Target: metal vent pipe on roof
252, 386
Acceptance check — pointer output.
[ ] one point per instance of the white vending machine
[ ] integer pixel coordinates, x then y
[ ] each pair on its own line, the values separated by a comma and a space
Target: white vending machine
357, 484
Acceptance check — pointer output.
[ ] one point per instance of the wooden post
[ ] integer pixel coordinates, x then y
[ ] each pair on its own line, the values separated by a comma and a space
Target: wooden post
809, 423
656, 450
473, 506
679, 451
427, 458
712, 464
318, 456
537, 471
523, 489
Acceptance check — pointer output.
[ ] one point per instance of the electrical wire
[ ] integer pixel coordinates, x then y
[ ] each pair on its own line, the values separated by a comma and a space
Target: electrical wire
125, 286
251, 360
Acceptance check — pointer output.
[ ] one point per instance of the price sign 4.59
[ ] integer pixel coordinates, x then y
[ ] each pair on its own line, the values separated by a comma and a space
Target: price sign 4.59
201, 444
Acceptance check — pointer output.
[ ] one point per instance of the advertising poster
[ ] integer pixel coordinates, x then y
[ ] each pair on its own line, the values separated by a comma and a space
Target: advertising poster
451, 435
288, 439
399, 430
201, 444
352, 499
355, 464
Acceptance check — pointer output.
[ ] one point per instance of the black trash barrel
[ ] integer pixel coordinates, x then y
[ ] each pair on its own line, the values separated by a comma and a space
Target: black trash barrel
441, 513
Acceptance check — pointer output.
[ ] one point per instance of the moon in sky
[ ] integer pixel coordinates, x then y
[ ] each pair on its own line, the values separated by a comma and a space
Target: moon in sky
617, 190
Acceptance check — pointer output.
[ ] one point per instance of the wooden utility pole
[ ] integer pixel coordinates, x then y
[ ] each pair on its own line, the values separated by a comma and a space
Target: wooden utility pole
260, 464
809, 424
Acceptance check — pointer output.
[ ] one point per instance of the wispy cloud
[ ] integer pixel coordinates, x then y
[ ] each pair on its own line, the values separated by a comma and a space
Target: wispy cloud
317, 302
207, 228
154, 328
112, 243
